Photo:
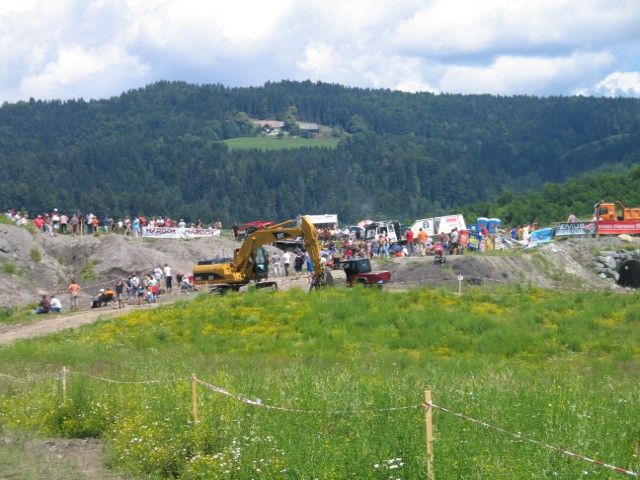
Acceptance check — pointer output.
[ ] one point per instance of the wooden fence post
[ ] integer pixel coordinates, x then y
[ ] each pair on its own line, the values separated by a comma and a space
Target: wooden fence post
428, 413
194, 394
63, 376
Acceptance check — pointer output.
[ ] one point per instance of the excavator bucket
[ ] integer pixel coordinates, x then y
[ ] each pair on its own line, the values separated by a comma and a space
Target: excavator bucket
329, 278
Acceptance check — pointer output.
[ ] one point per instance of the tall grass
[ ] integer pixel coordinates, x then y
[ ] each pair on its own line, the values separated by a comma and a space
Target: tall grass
560, 367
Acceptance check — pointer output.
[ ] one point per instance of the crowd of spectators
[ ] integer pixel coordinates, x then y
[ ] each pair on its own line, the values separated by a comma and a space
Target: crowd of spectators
57, 223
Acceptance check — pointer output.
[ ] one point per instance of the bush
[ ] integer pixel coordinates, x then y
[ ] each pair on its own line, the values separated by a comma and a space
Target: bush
35, 254
9, 268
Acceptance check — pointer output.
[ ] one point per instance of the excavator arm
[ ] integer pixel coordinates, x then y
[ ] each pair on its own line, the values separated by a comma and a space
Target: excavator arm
241, 270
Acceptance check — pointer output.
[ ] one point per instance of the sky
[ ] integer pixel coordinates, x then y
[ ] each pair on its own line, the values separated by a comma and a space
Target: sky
95, 49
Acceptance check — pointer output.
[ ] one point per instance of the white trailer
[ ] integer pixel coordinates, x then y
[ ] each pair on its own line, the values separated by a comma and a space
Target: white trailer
438, 225
326, 219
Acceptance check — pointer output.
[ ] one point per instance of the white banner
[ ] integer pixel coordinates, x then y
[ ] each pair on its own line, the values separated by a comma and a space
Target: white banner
323, 219
176, 232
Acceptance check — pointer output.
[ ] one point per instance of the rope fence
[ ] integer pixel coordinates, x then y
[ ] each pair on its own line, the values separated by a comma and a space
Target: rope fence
428, 405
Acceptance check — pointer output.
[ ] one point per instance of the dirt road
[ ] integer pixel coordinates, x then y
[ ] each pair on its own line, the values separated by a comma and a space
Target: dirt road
52, 322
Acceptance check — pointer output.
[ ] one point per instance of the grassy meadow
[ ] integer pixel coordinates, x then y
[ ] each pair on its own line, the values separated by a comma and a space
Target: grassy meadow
270, 142
561, 367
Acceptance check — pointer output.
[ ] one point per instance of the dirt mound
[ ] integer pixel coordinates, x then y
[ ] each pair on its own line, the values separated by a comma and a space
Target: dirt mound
34, 265
567, 263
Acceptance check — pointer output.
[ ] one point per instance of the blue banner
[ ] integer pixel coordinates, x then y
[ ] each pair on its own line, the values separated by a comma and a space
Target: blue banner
539, 236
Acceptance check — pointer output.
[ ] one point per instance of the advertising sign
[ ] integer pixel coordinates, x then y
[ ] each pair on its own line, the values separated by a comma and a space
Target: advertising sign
463, 238
575, 229
176, 232
474, 241
617, 227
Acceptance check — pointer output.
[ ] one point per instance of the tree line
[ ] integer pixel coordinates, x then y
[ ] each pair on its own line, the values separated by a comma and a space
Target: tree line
158, 149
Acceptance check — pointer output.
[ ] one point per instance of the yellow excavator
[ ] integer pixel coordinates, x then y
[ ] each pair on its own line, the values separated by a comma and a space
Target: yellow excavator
249, 261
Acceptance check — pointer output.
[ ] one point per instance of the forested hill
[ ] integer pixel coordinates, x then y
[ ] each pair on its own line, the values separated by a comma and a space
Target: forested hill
158, 150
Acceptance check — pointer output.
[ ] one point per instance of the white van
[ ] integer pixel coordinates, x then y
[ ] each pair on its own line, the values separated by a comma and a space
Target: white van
438, 225
389, 228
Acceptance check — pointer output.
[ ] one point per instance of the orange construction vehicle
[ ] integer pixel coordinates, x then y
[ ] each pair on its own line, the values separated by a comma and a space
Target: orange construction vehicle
613, 218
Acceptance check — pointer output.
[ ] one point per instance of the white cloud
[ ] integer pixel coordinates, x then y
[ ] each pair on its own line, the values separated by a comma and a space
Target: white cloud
319, 58
465, 27
625, 84
77, 70
522, 75
96, 48
12, 6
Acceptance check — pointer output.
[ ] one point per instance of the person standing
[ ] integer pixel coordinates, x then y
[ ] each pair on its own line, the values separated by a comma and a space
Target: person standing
64, 220
38, 222
297, 265
55, 221
136, 227
572, 218
277, 266
422, 241
167, 277
120, 292
74, 289
409, 236
309, 263
157, 273
286, 260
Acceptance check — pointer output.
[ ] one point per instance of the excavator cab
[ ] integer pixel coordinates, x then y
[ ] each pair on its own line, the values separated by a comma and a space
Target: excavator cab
260, 267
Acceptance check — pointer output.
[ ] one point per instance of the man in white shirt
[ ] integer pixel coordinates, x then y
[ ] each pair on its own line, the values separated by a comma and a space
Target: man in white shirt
167, 277
286, 259
56, 306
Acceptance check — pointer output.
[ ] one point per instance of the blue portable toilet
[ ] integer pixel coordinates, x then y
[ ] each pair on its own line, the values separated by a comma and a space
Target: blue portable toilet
482, 222
494, 225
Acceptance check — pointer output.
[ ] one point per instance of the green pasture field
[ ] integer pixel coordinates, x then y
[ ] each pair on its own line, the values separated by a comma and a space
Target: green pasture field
269, 142
349, 367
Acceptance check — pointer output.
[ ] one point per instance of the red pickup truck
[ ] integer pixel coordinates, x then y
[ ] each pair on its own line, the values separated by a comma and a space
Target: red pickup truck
358, 271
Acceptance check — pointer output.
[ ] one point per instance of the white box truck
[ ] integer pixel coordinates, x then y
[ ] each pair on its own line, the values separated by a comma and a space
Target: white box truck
438, 225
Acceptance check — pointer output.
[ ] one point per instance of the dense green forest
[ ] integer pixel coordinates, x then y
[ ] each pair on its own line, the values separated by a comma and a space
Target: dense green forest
158, 150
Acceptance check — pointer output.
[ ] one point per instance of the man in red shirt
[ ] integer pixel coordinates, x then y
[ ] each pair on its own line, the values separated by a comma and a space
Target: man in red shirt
409, 237
39, 223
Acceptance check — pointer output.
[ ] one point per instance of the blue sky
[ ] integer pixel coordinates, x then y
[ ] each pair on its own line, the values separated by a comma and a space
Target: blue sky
63, 49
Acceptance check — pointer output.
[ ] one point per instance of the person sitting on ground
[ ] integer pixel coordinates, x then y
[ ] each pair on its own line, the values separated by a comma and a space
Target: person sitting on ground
44, 306
439, 253
109, 296
185, 285
103, 297
97, 301
428, 247
56, 306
